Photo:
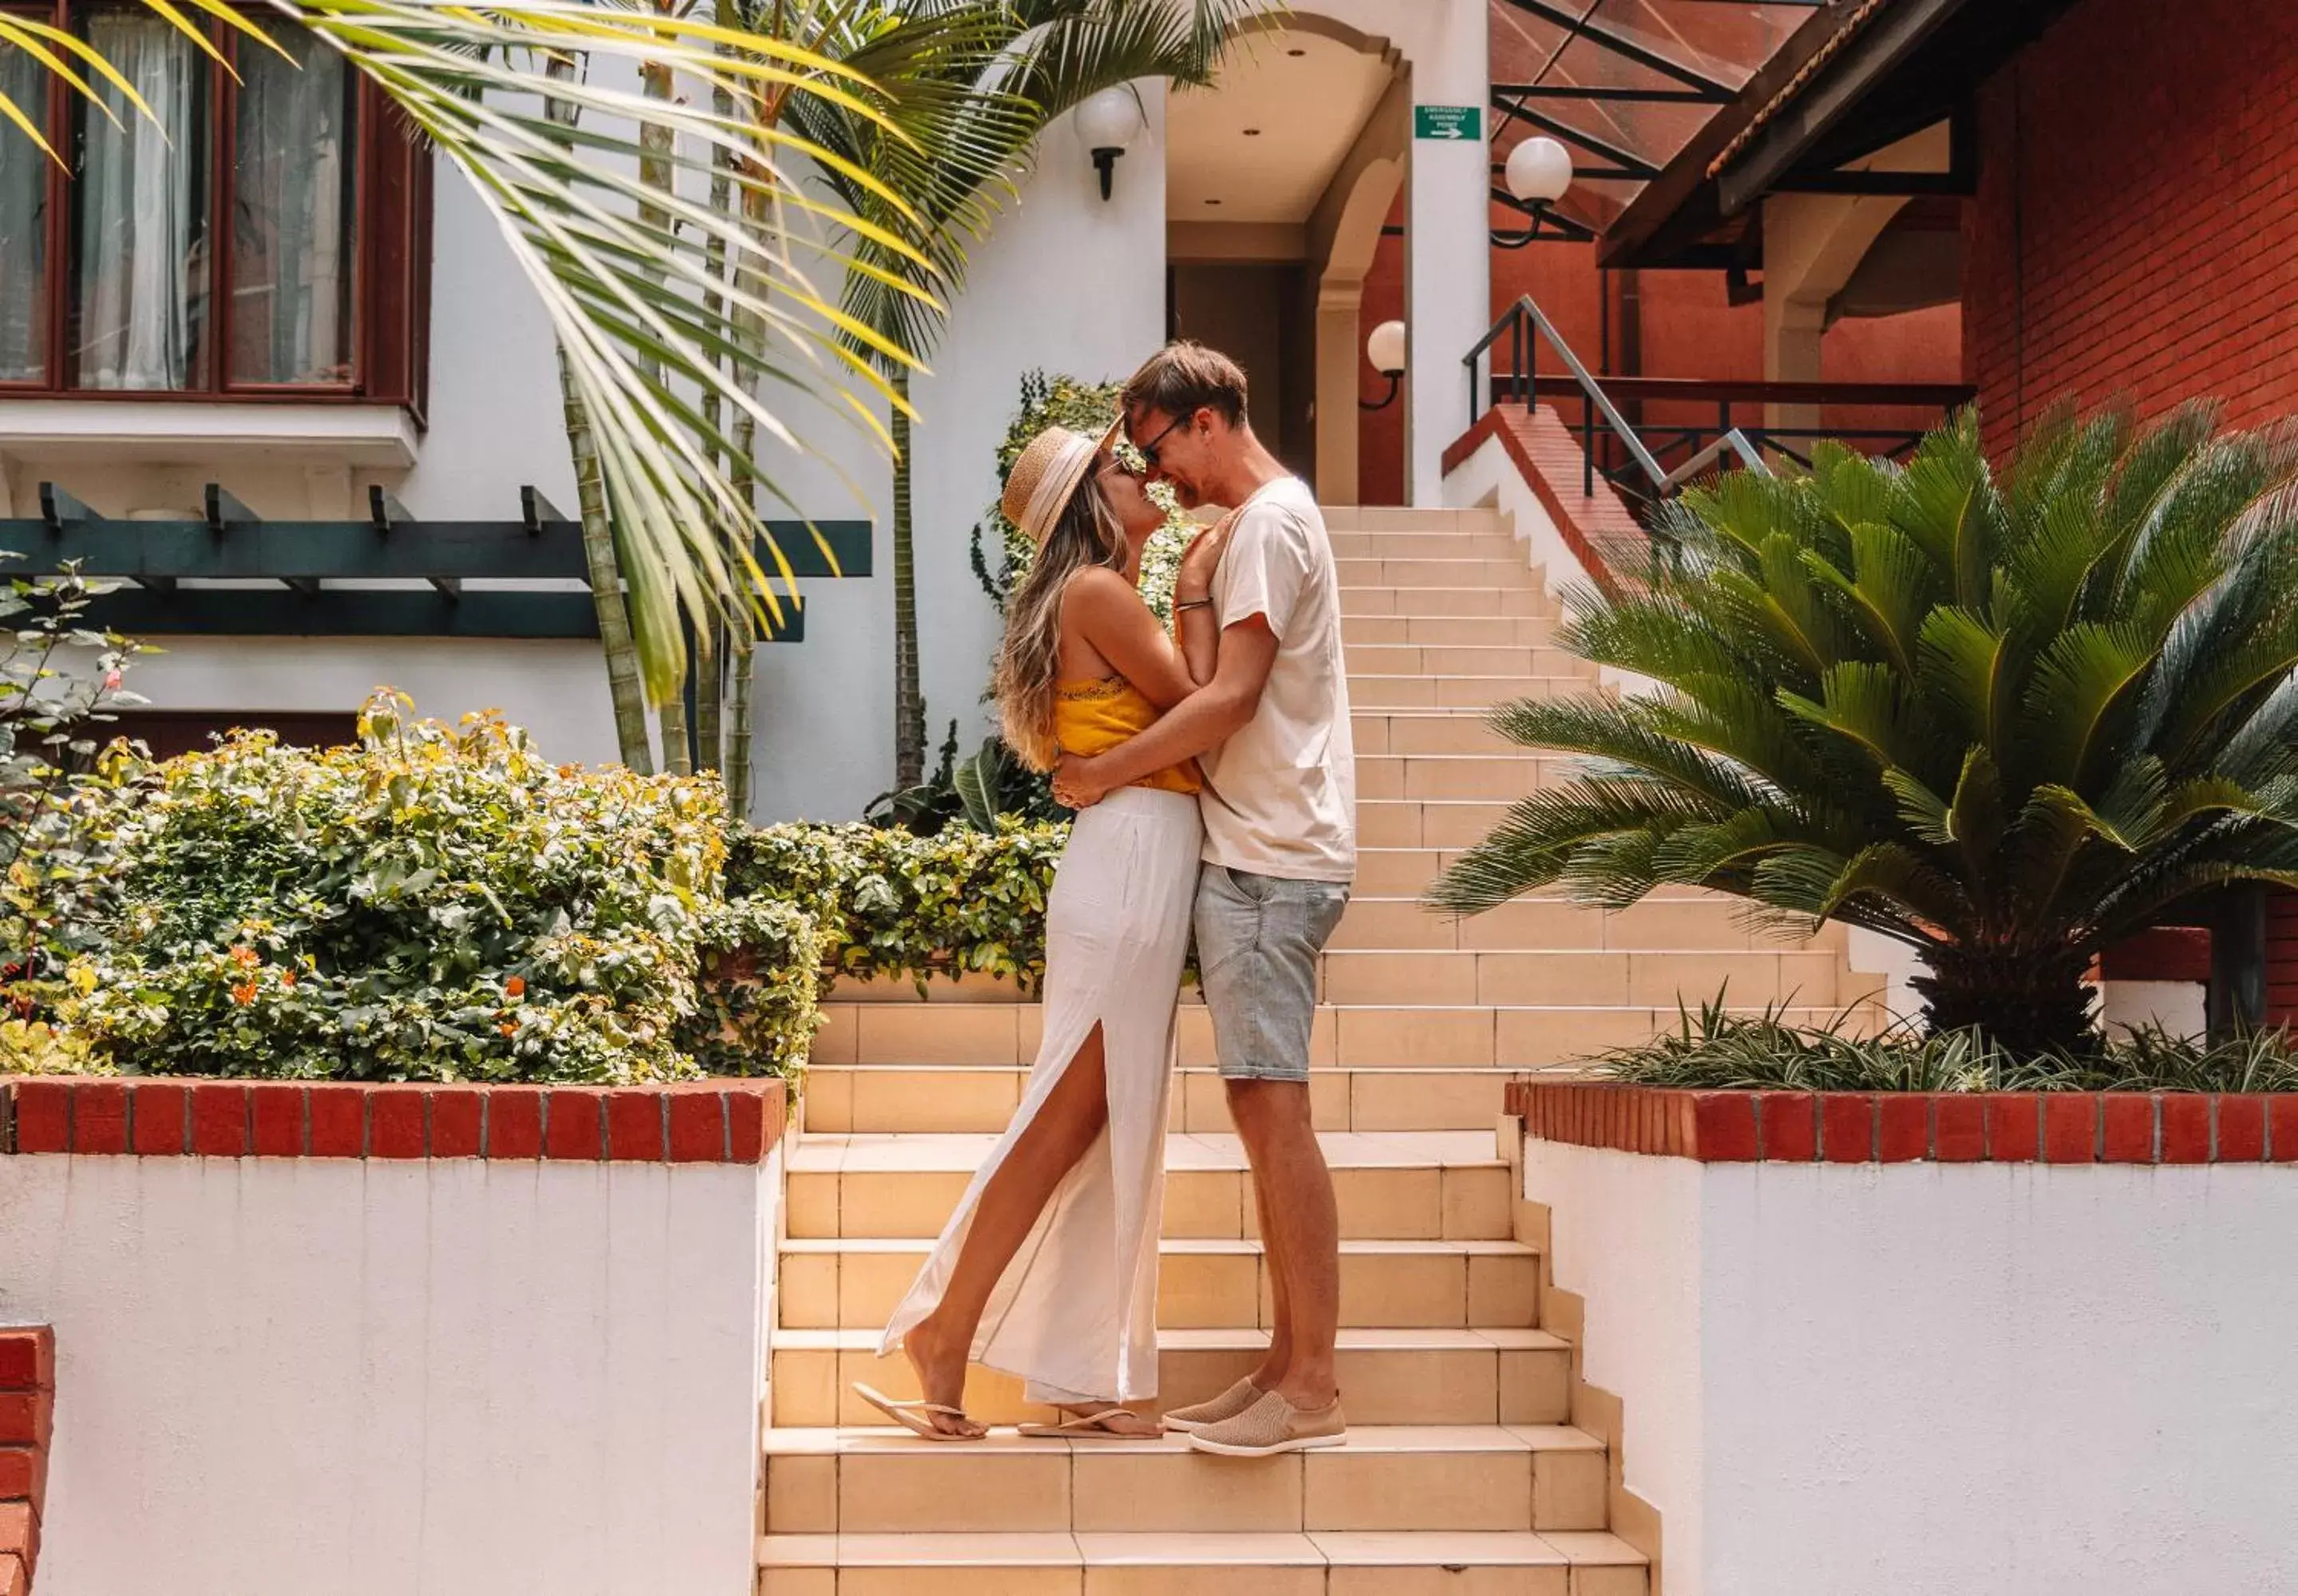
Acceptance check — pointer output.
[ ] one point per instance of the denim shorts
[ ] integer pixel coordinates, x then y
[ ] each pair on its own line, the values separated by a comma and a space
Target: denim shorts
1258, 938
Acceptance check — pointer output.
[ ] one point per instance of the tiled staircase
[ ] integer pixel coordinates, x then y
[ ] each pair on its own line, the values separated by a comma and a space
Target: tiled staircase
1464, 1474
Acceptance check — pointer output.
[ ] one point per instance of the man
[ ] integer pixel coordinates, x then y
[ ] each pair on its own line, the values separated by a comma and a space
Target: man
1270, 731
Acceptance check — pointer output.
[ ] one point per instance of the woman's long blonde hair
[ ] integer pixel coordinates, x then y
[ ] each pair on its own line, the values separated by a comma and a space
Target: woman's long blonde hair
1029, 660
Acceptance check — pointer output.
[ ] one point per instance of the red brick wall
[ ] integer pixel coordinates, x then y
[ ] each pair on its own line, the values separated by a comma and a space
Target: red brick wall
27, 1392
2136, 230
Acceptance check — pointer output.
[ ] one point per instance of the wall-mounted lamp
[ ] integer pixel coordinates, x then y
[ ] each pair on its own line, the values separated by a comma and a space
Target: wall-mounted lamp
1109, 122
1385, 350
1538, 174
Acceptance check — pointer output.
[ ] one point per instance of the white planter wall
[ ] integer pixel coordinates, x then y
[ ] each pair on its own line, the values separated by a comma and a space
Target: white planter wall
1929, 1379
383, 1378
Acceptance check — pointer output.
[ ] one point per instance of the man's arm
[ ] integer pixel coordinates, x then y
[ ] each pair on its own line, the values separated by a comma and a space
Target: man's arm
1206, 719
1192, 607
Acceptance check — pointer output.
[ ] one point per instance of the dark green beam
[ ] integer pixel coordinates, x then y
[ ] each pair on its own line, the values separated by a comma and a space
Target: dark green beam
344, 612
430, 550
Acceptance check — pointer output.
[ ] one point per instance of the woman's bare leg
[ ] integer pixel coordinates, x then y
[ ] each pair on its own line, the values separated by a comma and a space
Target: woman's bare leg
1067, 1125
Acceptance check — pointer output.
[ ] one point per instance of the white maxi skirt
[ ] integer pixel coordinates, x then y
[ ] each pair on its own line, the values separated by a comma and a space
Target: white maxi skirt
1075, 1314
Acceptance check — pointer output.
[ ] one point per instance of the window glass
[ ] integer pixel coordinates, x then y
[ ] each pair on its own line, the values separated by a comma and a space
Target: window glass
293, 217
23, 224
139, 316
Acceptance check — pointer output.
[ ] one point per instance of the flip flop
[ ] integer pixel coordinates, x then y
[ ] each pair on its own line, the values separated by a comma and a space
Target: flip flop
1093, 1426
912, 1416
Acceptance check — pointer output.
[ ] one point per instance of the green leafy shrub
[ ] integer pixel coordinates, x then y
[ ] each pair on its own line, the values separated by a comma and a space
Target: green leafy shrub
40, 1048
434, 903
1088, 408
1711, 1050
897, 905
759, 994
60, 682
2008, 723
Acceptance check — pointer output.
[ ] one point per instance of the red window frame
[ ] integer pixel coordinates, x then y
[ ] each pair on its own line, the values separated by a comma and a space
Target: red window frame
391, 259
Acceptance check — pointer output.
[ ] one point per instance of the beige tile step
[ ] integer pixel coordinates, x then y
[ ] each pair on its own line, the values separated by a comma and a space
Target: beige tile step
1414, 690
1325, 1563
919, 1098
1477, 1478
1475, 599
1402, 822
1415, 659
1405, 1186
1452, 632
1422, 545
854, 1283
1426, 730
1578, 976
1436, 571
1407, 518
1386, 1376
1498, 775
1372, 1036
1385, 910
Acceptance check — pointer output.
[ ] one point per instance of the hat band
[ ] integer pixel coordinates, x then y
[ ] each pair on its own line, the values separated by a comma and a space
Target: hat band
1053, 489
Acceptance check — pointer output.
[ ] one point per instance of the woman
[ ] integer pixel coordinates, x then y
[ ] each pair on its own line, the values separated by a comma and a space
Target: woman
1048, 1268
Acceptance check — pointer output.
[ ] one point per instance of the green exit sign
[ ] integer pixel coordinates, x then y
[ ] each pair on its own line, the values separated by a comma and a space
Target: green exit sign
1459, 123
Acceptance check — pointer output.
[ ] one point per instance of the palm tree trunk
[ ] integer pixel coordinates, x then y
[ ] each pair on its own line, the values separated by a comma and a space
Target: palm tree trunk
677, 754
2032, 1003
624, 688
709, 700
738, 722
909, 701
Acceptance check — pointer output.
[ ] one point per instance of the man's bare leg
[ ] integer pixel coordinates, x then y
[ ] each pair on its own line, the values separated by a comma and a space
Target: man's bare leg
1066, 1126
1271, 1372
1301, 1220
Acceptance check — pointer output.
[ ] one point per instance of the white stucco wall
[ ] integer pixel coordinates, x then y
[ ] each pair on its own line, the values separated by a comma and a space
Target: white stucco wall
1926, 1378
289, 1377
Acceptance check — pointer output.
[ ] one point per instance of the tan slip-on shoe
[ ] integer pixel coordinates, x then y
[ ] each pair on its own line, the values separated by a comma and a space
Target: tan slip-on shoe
1228, 1404
1271, 1426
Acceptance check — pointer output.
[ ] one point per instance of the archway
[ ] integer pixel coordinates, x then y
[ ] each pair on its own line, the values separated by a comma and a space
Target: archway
1277, 185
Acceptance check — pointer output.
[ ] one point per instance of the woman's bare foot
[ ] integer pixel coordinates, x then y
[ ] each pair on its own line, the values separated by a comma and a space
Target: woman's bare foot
940, 1367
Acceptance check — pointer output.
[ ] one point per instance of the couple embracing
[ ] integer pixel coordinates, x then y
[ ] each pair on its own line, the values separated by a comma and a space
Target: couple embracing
1215, 784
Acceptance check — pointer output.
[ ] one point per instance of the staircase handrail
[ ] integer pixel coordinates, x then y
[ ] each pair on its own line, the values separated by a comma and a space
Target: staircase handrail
1735, 442
1512, 321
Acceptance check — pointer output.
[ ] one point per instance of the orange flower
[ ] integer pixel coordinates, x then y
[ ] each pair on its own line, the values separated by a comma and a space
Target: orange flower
286, 977
508, 1028
243, 956
515, 987
245, 993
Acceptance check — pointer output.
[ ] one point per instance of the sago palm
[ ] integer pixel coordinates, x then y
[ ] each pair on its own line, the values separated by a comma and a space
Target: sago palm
2008, 723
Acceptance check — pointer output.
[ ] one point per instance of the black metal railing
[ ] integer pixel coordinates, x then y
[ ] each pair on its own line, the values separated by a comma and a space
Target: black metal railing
1649, 436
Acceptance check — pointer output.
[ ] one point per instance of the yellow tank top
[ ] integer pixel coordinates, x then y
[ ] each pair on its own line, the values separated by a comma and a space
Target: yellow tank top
1094, 716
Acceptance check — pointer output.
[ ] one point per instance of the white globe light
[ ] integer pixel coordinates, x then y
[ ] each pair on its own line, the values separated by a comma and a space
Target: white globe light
1386, 348
1110, 120
1539, 170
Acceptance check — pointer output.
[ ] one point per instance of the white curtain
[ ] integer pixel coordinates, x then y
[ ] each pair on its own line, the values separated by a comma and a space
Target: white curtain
23, 225
142, 261
291, 308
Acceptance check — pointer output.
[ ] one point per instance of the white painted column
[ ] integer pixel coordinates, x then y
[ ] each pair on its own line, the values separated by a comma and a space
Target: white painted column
1447, 269
1337, 416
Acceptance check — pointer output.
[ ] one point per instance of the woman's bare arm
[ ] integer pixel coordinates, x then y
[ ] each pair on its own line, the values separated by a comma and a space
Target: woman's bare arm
1108, 614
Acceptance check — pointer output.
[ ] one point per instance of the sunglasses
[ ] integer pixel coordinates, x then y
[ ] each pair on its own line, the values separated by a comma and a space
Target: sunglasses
1149, 449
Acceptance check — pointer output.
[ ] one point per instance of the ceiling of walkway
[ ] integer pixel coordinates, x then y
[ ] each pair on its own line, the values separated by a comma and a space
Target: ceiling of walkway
1262, 144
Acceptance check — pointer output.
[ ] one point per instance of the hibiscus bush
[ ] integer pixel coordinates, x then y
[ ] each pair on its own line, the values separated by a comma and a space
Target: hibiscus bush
434, 903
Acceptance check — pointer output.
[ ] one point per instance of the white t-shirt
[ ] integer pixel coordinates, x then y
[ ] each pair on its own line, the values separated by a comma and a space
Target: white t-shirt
1280, 796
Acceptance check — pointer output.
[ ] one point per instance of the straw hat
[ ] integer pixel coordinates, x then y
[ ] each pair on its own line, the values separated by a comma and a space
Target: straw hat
1043, 480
